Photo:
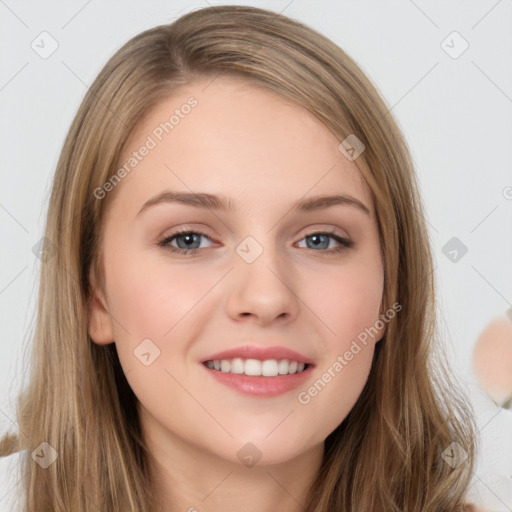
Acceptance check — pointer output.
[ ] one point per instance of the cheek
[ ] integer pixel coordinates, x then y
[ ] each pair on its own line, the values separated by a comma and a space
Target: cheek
347, 300
149, 295
348, 303
154, 300
336, 389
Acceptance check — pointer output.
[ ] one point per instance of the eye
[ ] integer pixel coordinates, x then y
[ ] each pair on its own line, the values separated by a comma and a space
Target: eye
320, 239
186, 240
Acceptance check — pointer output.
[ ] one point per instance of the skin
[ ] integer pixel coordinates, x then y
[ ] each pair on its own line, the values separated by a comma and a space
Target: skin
264, 153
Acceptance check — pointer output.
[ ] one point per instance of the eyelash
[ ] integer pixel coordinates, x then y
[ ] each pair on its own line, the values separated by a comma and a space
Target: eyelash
164, 242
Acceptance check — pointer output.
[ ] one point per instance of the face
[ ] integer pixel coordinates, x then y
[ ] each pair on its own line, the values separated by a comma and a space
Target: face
262, 278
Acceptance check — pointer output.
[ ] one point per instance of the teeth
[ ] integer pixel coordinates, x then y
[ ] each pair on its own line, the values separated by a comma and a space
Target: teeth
237, 366
252, 367
282, 367
269, 368
255, 367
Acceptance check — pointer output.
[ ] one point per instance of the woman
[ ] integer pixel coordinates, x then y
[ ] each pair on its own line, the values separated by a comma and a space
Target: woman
255, 371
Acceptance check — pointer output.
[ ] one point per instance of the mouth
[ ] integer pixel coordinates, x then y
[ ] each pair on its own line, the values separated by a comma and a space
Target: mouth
256, 367
259, 379
259, 372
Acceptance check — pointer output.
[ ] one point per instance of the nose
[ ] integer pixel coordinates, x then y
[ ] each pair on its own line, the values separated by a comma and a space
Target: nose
263, 291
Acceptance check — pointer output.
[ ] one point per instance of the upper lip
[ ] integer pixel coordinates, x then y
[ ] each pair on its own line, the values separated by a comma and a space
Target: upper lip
261, 353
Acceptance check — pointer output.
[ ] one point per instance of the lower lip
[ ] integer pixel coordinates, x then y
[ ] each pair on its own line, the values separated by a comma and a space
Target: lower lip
265, 387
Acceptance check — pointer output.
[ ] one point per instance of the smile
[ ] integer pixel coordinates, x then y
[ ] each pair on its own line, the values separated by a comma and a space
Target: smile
255, 367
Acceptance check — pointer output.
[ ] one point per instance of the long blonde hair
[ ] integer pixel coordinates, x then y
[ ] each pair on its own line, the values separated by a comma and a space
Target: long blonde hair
387, 455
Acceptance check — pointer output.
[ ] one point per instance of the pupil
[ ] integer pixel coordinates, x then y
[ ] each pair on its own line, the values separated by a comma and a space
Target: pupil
316, 237
188, 238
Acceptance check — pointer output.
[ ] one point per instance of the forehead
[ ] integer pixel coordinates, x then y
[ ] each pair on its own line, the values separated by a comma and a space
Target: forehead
228, 135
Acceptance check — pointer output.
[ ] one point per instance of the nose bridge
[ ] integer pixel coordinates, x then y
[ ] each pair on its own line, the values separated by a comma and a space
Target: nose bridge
261, 279
259, 259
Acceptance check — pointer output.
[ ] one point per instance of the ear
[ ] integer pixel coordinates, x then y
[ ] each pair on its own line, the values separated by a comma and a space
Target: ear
100, 326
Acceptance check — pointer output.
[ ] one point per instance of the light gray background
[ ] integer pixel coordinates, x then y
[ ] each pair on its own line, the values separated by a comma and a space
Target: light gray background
454, 112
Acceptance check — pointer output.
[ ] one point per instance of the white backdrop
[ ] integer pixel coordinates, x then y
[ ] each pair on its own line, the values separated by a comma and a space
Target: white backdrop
444, 69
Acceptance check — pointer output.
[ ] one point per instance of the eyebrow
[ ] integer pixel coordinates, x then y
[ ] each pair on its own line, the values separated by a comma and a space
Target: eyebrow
216, 202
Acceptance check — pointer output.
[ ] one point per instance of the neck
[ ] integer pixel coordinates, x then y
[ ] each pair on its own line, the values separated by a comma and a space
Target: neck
188, 478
